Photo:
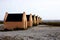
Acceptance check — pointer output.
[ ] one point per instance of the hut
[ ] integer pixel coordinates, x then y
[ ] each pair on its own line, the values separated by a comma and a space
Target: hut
40, 20
34, 20
37, 20
29, 20
15, 20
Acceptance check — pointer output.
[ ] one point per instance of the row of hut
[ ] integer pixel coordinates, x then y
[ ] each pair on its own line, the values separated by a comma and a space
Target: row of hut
14, 21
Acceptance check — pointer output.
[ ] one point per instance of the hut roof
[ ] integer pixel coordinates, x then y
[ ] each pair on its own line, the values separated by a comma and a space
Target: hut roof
27, 17
14, 17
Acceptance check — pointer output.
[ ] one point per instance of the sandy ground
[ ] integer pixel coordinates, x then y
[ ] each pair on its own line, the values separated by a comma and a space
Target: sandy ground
40, 32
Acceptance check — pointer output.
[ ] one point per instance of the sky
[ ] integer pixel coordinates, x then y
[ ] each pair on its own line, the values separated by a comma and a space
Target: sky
46, 9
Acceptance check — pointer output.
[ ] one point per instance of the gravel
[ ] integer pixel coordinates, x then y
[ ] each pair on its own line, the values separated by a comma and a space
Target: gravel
40, 32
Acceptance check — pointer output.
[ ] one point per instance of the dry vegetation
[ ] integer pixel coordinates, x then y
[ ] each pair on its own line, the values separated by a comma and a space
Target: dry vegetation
52, 23
1, 22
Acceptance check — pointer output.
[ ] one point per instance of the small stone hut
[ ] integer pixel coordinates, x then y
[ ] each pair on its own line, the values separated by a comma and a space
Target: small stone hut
34, 20
29, 20
37, 20
15, 20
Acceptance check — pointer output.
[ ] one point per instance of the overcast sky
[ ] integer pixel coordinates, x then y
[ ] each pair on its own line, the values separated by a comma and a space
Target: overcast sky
46, 9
